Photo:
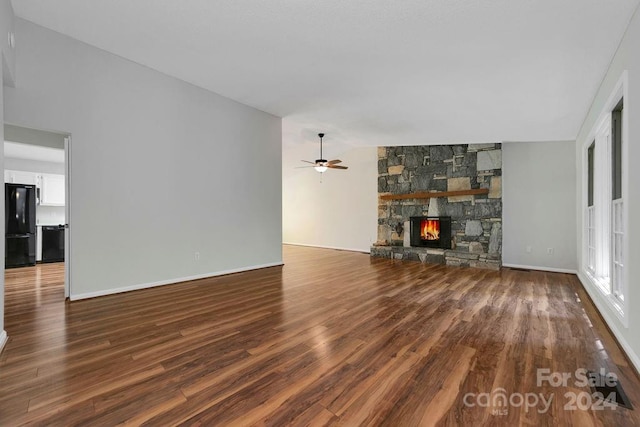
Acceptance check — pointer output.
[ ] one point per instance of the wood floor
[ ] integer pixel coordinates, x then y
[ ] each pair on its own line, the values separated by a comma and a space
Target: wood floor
331, 338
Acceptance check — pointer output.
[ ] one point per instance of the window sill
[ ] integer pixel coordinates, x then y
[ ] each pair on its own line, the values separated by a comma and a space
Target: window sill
602, 288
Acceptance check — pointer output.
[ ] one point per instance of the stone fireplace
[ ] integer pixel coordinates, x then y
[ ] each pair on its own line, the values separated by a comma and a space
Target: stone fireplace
460, 183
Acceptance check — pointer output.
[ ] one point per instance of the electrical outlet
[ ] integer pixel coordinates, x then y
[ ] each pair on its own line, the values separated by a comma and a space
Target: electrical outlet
528, 249
550, 251
197, 256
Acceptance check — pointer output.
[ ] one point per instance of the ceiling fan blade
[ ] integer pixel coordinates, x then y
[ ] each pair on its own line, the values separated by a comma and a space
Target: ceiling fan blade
333, 162
302, 167
337, 167
307, 161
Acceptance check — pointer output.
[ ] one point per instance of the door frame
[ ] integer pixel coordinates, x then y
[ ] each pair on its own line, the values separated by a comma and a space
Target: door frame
67, 230
67, 174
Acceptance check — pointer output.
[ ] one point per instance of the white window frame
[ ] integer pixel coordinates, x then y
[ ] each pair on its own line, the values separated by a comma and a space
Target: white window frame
590, 222
602, 205
617, 250
607, 277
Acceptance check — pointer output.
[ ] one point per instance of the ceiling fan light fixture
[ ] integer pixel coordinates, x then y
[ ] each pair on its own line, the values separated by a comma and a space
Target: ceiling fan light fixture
321, 164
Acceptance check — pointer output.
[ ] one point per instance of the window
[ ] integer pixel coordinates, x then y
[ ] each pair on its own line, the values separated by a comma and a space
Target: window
617, 204
604, 211
591, 220
616, 151
591, 170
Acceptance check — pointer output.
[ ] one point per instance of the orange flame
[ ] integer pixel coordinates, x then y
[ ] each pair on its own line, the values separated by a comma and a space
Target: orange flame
430, 229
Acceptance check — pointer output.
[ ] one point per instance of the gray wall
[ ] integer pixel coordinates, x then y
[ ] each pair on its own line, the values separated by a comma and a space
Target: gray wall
160, 169
8, 54
539, 194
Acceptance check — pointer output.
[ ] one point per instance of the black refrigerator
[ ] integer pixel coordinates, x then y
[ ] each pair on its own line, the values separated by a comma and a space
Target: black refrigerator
20, 225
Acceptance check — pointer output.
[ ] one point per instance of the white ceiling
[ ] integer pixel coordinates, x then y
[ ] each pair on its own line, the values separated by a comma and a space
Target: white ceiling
371, 72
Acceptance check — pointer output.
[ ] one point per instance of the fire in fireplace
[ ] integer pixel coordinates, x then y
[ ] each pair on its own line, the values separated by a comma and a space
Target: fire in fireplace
430, 229
433, 232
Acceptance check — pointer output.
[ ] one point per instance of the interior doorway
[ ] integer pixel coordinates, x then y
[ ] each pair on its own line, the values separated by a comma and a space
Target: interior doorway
37, 166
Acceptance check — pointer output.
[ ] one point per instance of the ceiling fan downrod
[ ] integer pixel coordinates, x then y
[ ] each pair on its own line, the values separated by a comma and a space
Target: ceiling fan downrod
321, 135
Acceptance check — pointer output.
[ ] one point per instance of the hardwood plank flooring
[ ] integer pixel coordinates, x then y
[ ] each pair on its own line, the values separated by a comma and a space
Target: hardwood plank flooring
331, 338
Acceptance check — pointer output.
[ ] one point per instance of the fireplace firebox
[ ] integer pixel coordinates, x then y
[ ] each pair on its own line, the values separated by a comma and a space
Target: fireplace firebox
431, 231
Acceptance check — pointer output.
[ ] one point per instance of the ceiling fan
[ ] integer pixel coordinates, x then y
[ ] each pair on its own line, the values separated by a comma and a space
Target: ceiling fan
321, 165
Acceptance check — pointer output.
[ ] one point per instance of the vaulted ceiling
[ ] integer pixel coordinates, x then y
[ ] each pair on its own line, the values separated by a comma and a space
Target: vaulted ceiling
371, 72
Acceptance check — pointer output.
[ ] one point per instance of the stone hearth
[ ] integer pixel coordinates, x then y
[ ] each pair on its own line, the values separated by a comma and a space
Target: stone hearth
476, 226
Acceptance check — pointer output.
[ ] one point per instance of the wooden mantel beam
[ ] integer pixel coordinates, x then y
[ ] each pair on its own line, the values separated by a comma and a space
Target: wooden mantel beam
434, 194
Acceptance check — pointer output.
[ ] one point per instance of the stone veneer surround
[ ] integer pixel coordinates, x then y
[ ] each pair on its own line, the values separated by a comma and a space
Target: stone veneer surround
476, 226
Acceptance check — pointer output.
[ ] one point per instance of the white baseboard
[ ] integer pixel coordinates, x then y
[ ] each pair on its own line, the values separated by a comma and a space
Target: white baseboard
95, 294
3, 339
611, 322
339, 248
550, 269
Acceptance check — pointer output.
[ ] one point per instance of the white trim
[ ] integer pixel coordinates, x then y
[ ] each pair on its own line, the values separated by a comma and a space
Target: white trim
626, 165
620, 91
590, 258
617, 250
67, 215
366, 251
602, 200
169, 282
549, 269
3, 340
596, 298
